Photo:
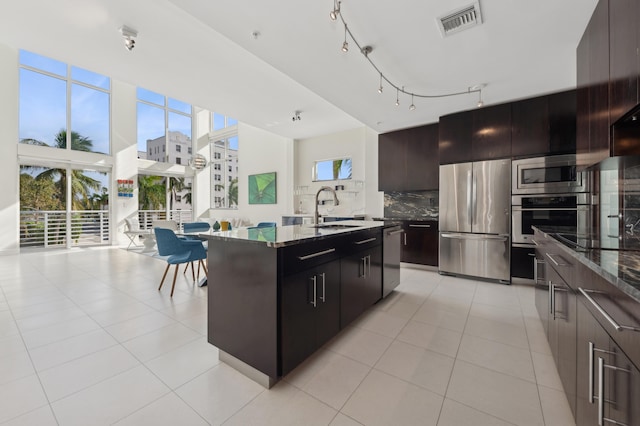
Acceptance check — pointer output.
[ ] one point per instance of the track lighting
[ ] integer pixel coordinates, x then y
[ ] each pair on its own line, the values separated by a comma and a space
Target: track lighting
336, 10
366, 50
296, 116
480, 103
129, 36
345, 45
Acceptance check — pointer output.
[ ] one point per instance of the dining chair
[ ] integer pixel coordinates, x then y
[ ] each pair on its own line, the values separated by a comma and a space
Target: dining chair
178, 251
193, 227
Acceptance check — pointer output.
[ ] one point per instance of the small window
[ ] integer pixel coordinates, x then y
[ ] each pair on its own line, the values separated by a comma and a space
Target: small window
189, 150
178, 148
178, 160
338, 169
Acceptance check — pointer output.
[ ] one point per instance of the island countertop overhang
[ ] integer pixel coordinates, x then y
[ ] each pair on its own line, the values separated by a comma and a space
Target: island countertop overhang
283, 236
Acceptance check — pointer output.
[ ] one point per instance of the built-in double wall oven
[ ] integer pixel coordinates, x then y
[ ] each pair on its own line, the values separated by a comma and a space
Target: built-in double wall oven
547, 191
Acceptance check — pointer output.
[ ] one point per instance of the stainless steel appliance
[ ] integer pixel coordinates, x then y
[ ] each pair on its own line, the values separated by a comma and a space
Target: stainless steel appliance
391, 258
475, 219
569, 210
545, 175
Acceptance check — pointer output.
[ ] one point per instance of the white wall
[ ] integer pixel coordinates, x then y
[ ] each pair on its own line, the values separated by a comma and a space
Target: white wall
361, 194
10, 199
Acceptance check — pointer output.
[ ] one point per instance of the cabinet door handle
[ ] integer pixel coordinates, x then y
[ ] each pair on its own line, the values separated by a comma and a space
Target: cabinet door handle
555, 262
535, 243
551, 300
592, 351
323, 297
363, 263
368, 265
600, 391
604, 313
405, 239
315, 291
320, 253
368, 240
395, 232
419, 226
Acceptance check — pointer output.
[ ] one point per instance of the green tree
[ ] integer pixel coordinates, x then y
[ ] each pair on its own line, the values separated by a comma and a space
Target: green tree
233, 192
99, 200
38, 194
82, 186
151, 192
177, 185
339, 164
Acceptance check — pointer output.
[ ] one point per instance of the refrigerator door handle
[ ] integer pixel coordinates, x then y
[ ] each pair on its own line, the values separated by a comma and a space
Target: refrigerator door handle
475, 236
469, 196
474, 199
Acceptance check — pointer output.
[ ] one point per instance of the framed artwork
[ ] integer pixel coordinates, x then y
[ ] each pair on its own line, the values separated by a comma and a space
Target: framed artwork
262, 188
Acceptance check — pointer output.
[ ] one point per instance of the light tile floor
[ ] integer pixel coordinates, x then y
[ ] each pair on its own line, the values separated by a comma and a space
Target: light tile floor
86, 339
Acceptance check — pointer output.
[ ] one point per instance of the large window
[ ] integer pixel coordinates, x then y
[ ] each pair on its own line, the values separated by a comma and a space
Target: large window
224, 173
164, 128
63, 106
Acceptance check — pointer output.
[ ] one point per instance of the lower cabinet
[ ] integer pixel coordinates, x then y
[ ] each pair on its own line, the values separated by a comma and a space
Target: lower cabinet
310, 312
522, 262
361, 283
562, 332
420, 242
608, 383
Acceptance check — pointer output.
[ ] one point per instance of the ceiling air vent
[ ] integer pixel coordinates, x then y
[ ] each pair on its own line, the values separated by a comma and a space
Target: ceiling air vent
460, 19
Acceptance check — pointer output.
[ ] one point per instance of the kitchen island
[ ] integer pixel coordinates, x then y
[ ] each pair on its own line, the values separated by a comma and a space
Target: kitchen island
277, 294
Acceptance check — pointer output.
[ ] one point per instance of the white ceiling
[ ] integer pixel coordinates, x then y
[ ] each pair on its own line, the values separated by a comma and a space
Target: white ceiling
202, 52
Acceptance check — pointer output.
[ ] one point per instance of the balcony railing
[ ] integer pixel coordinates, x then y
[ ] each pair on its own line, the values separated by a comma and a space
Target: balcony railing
146, 217
49, 228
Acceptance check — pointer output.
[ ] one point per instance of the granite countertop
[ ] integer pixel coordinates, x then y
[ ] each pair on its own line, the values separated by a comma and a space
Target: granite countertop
282, 236
621, 268
412, 219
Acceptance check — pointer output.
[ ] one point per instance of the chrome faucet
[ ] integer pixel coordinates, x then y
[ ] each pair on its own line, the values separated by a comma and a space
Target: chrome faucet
335, 199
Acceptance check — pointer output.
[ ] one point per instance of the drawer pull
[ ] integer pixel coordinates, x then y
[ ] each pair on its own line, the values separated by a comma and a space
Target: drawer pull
555, 262
419, 226
368, 240
399, 231
320, 253
604, 313
534, 242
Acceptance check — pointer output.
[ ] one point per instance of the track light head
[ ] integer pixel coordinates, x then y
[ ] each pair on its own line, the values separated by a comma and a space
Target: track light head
335, 12
296, 116
345, 45
129, 35
412, 107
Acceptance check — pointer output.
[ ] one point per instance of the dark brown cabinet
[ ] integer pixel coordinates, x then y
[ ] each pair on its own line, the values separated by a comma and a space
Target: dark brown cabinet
522, 262
545, 125
598, 29
608, 383
562, 123
361, 277
563, 327
455, 138
310, 312
491, 132
420, 242
623, 57
408, 159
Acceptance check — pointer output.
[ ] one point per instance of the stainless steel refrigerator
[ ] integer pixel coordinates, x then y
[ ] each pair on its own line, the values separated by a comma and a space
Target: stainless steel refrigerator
475, 210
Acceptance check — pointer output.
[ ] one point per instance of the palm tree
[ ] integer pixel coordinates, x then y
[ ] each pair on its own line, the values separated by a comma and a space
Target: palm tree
233, 192
151, 192
99, 201
82, 185
338, 164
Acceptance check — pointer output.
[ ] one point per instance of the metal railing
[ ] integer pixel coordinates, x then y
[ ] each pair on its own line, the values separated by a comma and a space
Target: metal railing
146, 217
49, 228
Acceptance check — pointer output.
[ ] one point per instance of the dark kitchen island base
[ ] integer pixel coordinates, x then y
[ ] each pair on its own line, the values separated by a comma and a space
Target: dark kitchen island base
276, 295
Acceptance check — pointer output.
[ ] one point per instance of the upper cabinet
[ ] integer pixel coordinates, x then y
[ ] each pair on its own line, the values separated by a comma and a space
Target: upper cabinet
491, 132
545, 125
455, 138
607, 78
408, 159
623, 58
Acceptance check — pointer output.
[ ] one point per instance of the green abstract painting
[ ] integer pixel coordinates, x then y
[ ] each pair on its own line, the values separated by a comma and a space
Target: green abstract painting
262, 188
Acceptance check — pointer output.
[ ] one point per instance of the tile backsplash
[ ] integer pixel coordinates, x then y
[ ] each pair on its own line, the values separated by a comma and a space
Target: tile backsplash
411, 205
